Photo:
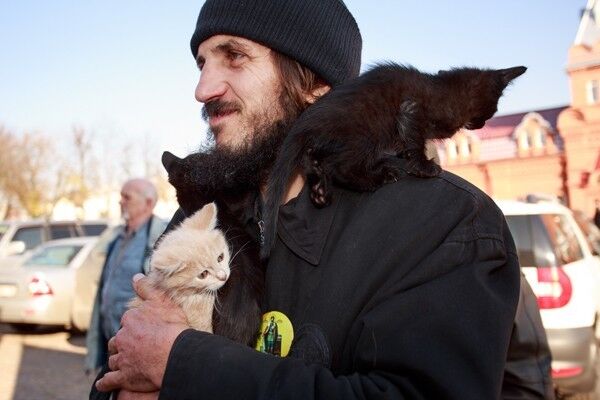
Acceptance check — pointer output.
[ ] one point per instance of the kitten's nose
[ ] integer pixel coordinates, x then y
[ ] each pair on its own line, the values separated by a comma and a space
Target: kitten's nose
222, 275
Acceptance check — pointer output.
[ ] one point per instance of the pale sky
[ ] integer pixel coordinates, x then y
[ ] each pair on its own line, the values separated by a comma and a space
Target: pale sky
124, 70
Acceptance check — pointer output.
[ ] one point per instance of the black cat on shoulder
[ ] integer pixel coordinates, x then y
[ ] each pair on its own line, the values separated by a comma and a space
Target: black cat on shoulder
373, 129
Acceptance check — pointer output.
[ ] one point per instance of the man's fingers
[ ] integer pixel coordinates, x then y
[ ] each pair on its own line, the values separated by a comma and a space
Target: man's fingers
127, 395
112, 346
110, 381
113, 362
143, 288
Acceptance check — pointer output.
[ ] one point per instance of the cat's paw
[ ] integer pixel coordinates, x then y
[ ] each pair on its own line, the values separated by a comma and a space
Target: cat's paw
319, 195
423, 168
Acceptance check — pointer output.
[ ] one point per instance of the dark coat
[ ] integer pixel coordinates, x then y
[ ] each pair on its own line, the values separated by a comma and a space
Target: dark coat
527, 371
408, 292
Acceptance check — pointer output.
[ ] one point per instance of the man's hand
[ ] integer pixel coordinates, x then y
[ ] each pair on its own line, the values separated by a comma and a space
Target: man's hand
125, 395
140, 349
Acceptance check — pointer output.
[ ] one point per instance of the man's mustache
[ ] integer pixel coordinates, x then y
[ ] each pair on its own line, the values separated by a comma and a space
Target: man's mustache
217, 107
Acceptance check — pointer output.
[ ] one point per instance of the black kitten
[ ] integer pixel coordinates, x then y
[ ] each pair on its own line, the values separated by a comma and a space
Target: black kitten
239, 300
371, 130
238, 307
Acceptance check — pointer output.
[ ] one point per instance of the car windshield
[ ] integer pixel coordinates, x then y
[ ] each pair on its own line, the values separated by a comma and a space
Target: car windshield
59, 256
3, 229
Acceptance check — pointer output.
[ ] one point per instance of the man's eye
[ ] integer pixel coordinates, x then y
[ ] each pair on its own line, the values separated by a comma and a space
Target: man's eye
234, 55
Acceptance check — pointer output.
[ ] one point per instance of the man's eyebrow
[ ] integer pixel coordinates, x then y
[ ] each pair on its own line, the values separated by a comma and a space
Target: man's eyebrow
230, 44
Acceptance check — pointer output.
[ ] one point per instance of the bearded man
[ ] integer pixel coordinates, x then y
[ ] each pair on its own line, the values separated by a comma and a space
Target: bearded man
408, 292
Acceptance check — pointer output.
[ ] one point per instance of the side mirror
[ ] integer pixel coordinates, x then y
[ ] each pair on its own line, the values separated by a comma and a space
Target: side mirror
15, 247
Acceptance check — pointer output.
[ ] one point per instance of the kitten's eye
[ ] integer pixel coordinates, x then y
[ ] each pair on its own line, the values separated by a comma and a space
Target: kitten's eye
203, 275
221, 256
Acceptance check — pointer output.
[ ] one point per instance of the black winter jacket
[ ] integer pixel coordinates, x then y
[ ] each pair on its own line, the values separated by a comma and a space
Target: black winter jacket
527, 373
409, 292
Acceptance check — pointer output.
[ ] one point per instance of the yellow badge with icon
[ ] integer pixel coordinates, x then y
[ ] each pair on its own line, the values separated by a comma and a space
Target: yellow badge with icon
276, 334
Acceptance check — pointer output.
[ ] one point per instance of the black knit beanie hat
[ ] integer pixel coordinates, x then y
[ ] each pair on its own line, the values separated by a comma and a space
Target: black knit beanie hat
320, 34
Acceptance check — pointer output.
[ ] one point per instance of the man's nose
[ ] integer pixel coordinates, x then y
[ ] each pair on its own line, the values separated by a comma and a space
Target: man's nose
211, 85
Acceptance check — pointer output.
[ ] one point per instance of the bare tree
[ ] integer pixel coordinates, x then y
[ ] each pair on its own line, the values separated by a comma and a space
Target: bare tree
126, 160
31, 172
82, 178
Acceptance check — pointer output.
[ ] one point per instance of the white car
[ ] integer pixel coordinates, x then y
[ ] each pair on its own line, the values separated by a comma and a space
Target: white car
40, 290
565, 276
18, 237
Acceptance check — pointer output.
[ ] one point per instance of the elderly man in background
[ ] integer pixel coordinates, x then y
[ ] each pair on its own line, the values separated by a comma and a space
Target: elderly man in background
127, 254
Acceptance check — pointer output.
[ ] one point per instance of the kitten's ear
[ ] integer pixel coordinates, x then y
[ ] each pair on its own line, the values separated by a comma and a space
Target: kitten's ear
169, 270
204, 219
508, 74
169, 160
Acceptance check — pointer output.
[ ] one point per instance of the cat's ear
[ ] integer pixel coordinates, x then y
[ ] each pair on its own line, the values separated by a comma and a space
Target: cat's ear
169, 270
508, 74
169, 160
204, 219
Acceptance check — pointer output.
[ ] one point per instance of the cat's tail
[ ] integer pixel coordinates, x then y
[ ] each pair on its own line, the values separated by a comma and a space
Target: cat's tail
284, 167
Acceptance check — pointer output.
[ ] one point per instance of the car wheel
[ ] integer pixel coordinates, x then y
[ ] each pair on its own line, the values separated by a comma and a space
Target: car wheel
24, 327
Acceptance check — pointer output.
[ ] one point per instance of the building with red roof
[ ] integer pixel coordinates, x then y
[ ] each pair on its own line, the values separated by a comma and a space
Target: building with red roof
555, 151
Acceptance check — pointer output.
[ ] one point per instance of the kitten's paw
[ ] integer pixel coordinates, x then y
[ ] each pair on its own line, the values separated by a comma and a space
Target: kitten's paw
319, 196
391, 177
423, 168
390, 170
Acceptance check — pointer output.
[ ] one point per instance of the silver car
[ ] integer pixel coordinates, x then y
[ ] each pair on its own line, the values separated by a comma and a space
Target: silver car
17, 237
40, 289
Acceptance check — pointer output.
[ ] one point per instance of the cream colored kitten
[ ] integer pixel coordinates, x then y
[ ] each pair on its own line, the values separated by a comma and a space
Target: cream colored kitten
190, 264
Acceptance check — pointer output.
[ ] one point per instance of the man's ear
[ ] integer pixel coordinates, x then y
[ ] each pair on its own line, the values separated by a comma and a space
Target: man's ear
317, 93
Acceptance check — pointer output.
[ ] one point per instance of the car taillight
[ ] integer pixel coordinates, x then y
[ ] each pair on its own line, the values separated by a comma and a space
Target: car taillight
39, 287
554, 288
566, 372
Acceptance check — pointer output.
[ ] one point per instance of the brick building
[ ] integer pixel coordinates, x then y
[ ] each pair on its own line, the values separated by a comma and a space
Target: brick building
553, 151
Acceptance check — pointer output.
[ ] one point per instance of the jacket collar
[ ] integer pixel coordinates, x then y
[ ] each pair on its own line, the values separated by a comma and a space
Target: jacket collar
304, 228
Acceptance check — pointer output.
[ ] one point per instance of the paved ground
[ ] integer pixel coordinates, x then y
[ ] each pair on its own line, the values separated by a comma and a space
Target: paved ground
46, 364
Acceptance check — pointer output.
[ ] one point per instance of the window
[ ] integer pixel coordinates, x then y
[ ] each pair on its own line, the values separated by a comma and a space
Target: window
3, 229
61, 231
93, 229
563, 238
31, 236
59, 256
593, 91
544, 240
451, 149
520, 229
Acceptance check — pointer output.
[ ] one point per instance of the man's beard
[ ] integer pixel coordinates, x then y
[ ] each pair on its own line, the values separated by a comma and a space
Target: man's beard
246, 166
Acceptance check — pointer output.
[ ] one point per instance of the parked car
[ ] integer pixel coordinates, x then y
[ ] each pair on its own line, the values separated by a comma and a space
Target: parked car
18, 237
590, 230
565, 277
40, 290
